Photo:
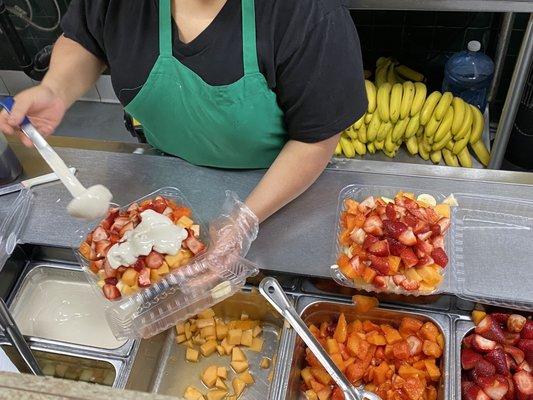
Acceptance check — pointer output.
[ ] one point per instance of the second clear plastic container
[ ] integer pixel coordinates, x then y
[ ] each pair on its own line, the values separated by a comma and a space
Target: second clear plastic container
182, 293
361, 192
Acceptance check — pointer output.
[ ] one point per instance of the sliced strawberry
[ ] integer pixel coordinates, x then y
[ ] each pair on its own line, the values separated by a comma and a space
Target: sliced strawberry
167, 212
380, 264
140, 263
424, 236
511, 338
526, 345
415, 345
527, 331
516, 323
510, 362
490, 329
119, 223
111, 281
114, 238
511, 393
373, 225
395, 247
381, 211
410, 284
438, 241
496, 387
408, 238
408, 257
500, 318
469, 358
410, 204
467, 341
523, 383
419, 214
99, 234
154, 260
132, 208
98, 264
444, 224
380, 282
369, 241
380, 248
411, 221
380, 202
432, 216
109, 272
159, 204
391, 212
482, 344
126, 228
424, 247
497, 358
524, 366
484, 368
358, 235
194, 244
367, 205
398, 279
474, 392
144, 277
425, 260
517, 354
435, 228
439, 256
421, 227
102, 247
111, 292
394, 228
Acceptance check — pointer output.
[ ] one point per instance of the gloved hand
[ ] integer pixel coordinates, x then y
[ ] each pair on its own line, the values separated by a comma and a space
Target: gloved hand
233, 232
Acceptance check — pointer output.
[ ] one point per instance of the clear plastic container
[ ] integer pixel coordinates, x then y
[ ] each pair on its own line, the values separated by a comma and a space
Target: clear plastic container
491, 252
185, 291
10, 167
468, 74
12, 222
361, 192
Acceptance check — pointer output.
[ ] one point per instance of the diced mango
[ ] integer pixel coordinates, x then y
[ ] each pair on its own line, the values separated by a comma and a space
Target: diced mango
364, 304
191, 393
238, 355
205, 322
221, 330
247, 338
257, 345
391, 335
341, 334
309, 395
198, 340
412, 274
320, 374
234, 336
238, 386
432, 369
181, 338
410, 326
216, 394
406, 371
239, 366
220, 350
443, 210
246, 377
257, 331
208, 331
375, 338
332, 346
478, 316
192, 355
429, 331
219, 384
265, 363
209, 376
431, 274
208, 348
207, 313
129, 277
163, 269
227, 347
222, 372
185, 222
306, 376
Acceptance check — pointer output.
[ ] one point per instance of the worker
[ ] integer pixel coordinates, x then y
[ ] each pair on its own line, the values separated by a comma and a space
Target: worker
220, 83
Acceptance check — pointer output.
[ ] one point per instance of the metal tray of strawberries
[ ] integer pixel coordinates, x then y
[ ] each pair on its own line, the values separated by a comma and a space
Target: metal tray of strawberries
486, 245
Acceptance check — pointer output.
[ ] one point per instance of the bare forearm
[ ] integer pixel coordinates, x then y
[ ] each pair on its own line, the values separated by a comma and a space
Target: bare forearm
73, 70
295, 169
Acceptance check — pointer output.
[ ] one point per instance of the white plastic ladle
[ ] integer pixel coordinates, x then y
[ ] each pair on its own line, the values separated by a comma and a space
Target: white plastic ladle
88, 203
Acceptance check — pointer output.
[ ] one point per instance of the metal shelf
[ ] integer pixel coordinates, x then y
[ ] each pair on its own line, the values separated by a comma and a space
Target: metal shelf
525, 6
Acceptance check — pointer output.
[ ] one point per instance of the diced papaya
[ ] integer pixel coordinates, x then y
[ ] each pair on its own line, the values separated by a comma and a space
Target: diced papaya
310, 395
332, 346
440, 341
339, 361
352, 221
343, 351
478, 316
380, 353
345, 267
357, 326
314, 331
406, 371
349, 361
344, 237
352, 344
337, 394
432, 369
429, 331
376, 338
431, 393
414, 388
380, 373
443, 210
351, 206
355, 371
369, 326
421, 365
320, 374
364, 304
324, 328
394, 264
369, 274
341, 331
389, 351
410, 326
431, 349
391, 335
401, 350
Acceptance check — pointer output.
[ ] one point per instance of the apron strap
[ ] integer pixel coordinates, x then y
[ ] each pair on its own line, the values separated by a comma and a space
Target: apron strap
249, 49
165, 28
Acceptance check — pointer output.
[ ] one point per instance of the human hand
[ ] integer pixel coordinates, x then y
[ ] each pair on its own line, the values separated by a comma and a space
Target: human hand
41, 105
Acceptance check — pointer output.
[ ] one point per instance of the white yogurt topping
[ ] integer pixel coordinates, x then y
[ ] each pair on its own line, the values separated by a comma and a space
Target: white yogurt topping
91, 204
156, 231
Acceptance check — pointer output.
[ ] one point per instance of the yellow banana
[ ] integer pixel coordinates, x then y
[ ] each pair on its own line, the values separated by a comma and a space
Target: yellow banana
382, 61
429, 107
431, 127
412, 145
381, 75
409, 73
347, 146
459, 108
420, 131
383, 130
358, 123
389, 154
445, 125
361, 134
442, 143
443, 105
460, 144
351, 133
371, 148
422, 150
464, 158
368, 117
412, 126
477, 124
467, 123
373, 127
383, 101
481, 152
371, 93
338, 149
379, 144
395, 102
399, 129
419, 99
436, 156
450, 145
391, 75
360, 148
450, 158
389, 143
407, 99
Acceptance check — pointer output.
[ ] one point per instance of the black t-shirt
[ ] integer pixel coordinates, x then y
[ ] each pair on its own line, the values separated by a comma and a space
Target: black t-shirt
308, 50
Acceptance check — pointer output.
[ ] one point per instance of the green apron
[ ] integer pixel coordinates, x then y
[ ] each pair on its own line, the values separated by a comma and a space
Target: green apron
231, 126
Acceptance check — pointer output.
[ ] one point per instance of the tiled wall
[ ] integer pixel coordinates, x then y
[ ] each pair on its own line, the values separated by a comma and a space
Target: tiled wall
423, 40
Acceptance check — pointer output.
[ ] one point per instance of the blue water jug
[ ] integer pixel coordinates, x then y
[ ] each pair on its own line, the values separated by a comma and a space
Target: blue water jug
468, 74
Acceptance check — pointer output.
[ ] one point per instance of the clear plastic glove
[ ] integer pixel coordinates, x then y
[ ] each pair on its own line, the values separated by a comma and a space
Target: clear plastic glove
233, 232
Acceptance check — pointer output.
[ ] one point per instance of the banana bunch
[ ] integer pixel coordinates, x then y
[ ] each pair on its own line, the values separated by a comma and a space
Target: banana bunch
391, 71
437, 127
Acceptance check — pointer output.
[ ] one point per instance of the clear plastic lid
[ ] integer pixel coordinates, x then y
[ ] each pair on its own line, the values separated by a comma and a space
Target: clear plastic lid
361, 192
13, 217
492, 241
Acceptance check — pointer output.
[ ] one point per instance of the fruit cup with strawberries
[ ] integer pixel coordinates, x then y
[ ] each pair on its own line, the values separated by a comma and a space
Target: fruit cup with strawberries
138, 245
393, 245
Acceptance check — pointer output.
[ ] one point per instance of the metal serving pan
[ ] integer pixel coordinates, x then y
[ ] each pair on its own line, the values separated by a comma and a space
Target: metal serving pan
315, 310
172, 373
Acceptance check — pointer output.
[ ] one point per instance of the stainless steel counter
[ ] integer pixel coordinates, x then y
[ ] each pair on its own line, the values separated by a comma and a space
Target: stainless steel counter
296, 240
